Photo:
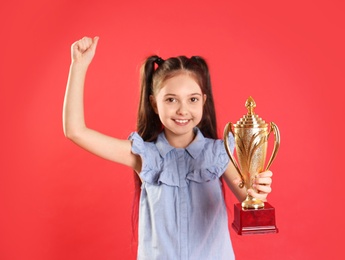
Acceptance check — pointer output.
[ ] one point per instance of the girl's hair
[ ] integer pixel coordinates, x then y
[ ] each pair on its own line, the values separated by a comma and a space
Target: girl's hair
154, 72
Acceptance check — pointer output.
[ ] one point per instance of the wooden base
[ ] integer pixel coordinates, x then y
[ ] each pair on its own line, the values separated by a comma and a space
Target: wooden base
254, 221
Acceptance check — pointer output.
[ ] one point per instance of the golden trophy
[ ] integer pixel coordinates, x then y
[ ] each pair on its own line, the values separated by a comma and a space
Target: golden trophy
251, 134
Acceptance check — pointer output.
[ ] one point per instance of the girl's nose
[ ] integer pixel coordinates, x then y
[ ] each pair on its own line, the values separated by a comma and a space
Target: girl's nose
182, 109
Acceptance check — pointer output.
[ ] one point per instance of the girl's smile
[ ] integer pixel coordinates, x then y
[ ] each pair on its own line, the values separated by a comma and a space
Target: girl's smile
181, 121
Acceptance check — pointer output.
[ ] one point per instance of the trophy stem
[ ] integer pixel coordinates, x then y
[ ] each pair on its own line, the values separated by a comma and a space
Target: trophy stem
252, 203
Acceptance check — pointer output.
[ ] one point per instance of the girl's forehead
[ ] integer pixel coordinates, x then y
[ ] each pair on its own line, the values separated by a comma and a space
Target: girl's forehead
182, 83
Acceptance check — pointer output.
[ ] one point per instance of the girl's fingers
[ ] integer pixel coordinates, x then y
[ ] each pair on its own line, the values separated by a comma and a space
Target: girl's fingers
262, 188
264, 178
84, 44
263, 181
261, 185
265, 174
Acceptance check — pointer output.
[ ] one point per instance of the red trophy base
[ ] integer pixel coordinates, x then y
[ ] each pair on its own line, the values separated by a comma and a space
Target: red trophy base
254, 221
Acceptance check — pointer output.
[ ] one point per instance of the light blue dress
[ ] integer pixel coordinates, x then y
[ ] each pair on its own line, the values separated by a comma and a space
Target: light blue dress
182, 214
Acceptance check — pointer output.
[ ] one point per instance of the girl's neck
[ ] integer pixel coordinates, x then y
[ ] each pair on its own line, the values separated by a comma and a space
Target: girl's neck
179, 141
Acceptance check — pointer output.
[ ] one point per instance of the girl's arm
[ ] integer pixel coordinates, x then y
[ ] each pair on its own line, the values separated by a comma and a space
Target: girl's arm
74, 126
262, 184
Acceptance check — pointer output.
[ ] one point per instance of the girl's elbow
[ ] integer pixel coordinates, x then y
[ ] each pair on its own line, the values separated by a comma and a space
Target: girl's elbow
70, 133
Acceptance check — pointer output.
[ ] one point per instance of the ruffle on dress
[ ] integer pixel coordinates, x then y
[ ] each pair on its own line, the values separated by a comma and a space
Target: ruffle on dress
155, 171
215, 168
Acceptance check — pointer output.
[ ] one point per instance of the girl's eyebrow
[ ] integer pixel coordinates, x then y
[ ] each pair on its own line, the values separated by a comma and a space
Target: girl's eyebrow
174, 95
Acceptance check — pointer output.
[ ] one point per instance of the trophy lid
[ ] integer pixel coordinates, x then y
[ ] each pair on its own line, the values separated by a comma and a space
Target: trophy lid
250, 119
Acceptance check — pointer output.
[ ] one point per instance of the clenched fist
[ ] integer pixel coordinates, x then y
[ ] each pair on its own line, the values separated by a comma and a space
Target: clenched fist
84, 50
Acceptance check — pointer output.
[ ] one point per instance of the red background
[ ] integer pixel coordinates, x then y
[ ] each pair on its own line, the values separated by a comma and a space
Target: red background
60, 202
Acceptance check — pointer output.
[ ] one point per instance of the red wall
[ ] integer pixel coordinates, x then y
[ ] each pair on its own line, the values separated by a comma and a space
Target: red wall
60, 202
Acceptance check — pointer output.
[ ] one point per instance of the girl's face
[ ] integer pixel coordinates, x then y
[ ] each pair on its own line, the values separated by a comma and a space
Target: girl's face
179, 105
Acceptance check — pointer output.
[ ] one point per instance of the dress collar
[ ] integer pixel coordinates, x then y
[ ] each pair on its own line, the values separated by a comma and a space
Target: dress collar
194, 148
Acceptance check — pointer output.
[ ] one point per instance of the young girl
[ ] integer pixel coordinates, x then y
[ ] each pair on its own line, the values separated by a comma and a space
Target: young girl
178, 160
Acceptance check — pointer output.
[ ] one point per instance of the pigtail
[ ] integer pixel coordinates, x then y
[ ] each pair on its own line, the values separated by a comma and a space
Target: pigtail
208, 124
148, 123
148, 127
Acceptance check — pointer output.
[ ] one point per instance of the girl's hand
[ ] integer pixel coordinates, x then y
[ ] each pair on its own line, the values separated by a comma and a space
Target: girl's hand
84, 50
261, 186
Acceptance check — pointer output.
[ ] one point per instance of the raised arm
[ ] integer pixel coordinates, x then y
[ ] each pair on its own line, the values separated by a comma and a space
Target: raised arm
74, 126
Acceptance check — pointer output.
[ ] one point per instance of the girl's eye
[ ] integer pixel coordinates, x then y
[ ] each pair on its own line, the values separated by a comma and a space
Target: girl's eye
194, 99
171, 100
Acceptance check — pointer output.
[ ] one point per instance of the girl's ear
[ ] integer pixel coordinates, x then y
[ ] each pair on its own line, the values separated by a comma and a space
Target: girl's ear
205, 97
153, 103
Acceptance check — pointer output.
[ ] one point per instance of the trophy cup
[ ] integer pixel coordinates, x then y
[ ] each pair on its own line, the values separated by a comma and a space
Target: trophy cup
251, 134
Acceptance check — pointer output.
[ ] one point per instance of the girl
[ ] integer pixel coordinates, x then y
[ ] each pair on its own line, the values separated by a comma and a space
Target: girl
178, 160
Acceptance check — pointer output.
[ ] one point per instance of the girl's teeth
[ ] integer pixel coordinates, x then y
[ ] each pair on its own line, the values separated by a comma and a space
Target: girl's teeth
181, 121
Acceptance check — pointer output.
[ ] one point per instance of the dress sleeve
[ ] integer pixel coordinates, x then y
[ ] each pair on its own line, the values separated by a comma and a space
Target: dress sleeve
139, 148
221, 158
231, 141
149, 170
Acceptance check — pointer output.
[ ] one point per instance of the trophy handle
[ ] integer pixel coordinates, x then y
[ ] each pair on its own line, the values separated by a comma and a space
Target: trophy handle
274, 128
227, 129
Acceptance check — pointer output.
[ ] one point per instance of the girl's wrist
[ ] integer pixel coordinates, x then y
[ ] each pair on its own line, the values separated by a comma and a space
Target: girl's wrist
79, 65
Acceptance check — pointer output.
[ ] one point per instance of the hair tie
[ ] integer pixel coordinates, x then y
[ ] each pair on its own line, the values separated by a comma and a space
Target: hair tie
194, 58
159, 61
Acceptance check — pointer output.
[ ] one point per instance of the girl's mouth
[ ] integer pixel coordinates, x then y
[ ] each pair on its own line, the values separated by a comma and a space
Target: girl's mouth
181, 121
